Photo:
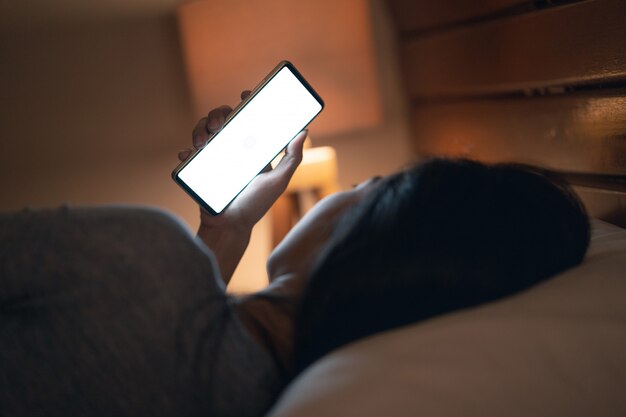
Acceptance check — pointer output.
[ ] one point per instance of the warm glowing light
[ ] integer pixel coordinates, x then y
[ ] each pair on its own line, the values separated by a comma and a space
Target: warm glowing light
318, 171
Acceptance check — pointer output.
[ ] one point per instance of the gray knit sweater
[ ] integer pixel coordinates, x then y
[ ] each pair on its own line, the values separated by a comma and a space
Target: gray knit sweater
120, 311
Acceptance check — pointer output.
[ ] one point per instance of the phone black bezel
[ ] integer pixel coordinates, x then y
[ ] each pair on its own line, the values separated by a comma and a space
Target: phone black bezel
240, 107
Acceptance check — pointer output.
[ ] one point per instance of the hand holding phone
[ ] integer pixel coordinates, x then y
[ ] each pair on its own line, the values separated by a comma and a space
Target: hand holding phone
228, 234
258, 197
257, 130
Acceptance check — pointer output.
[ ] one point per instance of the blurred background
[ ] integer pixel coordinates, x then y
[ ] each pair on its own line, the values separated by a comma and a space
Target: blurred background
99, 97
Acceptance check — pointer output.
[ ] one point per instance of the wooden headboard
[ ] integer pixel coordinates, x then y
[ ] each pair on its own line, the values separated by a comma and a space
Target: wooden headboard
541, 82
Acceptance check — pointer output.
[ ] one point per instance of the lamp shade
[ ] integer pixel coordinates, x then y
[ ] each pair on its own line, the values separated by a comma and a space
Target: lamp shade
230, 46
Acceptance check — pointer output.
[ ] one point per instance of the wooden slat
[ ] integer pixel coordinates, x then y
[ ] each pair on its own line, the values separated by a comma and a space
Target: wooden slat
577, 44
414, 16
606, 205
579, 133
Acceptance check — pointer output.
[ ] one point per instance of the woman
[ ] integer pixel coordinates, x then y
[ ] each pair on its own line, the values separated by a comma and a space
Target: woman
117, 311
436, 237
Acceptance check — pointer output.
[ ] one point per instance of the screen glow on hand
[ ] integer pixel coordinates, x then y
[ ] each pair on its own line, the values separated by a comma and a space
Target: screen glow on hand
250, 140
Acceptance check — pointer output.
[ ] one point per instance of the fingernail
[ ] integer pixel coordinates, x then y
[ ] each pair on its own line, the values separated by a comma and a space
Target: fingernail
213, 124
216, 122
197, 141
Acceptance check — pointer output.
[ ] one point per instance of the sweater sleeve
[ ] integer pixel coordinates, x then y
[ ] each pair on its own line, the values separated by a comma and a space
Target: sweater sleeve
120, 311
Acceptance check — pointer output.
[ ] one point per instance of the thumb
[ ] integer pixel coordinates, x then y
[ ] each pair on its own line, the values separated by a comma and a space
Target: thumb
293, 156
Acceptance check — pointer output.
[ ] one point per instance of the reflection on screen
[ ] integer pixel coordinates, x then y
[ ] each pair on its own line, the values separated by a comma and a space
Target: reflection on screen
251, 140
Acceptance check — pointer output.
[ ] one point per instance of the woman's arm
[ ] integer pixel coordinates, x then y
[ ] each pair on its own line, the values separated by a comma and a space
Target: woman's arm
270, 314
227, 244
228, 234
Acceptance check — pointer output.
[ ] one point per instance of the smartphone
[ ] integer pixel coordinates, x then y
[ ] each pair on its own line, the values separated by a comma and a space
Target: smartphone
261, 126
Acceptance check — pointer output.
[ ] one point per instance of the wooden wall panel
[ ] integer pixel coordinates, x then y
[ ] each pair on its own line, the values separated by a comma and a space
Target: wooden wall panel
535, 82
603, 204
414, 16
583, 133
583, 136
580, 43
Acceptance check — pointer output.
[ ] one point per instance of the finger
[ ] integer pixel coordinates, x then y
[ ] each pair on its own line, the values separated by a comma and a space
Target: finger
294, 149
245, 94
200, 134
293, 156
226, 109
296, 146
184, 154
217, 117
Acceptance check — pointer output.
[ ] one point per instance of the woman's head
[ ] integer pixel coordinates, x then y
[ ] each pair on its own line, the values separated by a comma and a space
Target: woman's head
440, 236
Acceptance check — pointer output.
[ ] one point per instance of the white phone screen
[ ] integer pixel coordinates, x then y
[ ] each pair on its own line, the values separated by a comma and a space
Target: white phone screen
249, 141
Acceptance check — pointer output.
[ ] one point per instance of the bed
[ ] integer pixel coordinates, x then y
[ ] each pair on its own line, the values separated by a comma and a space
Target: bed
507, 80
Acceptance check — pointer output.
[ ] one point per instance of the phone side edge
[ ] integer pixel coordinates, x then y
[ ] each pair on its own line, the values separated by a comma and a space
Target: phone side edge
195, 197
304, 82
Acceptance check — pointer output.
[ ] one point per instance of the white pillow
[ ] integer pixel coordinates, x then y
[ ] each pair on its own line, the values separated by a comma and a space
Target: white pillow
557, 349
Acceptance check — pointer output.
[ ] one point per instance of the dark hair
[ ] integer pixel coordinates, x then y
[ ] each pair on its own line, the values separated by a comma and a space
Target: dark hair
440, 236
